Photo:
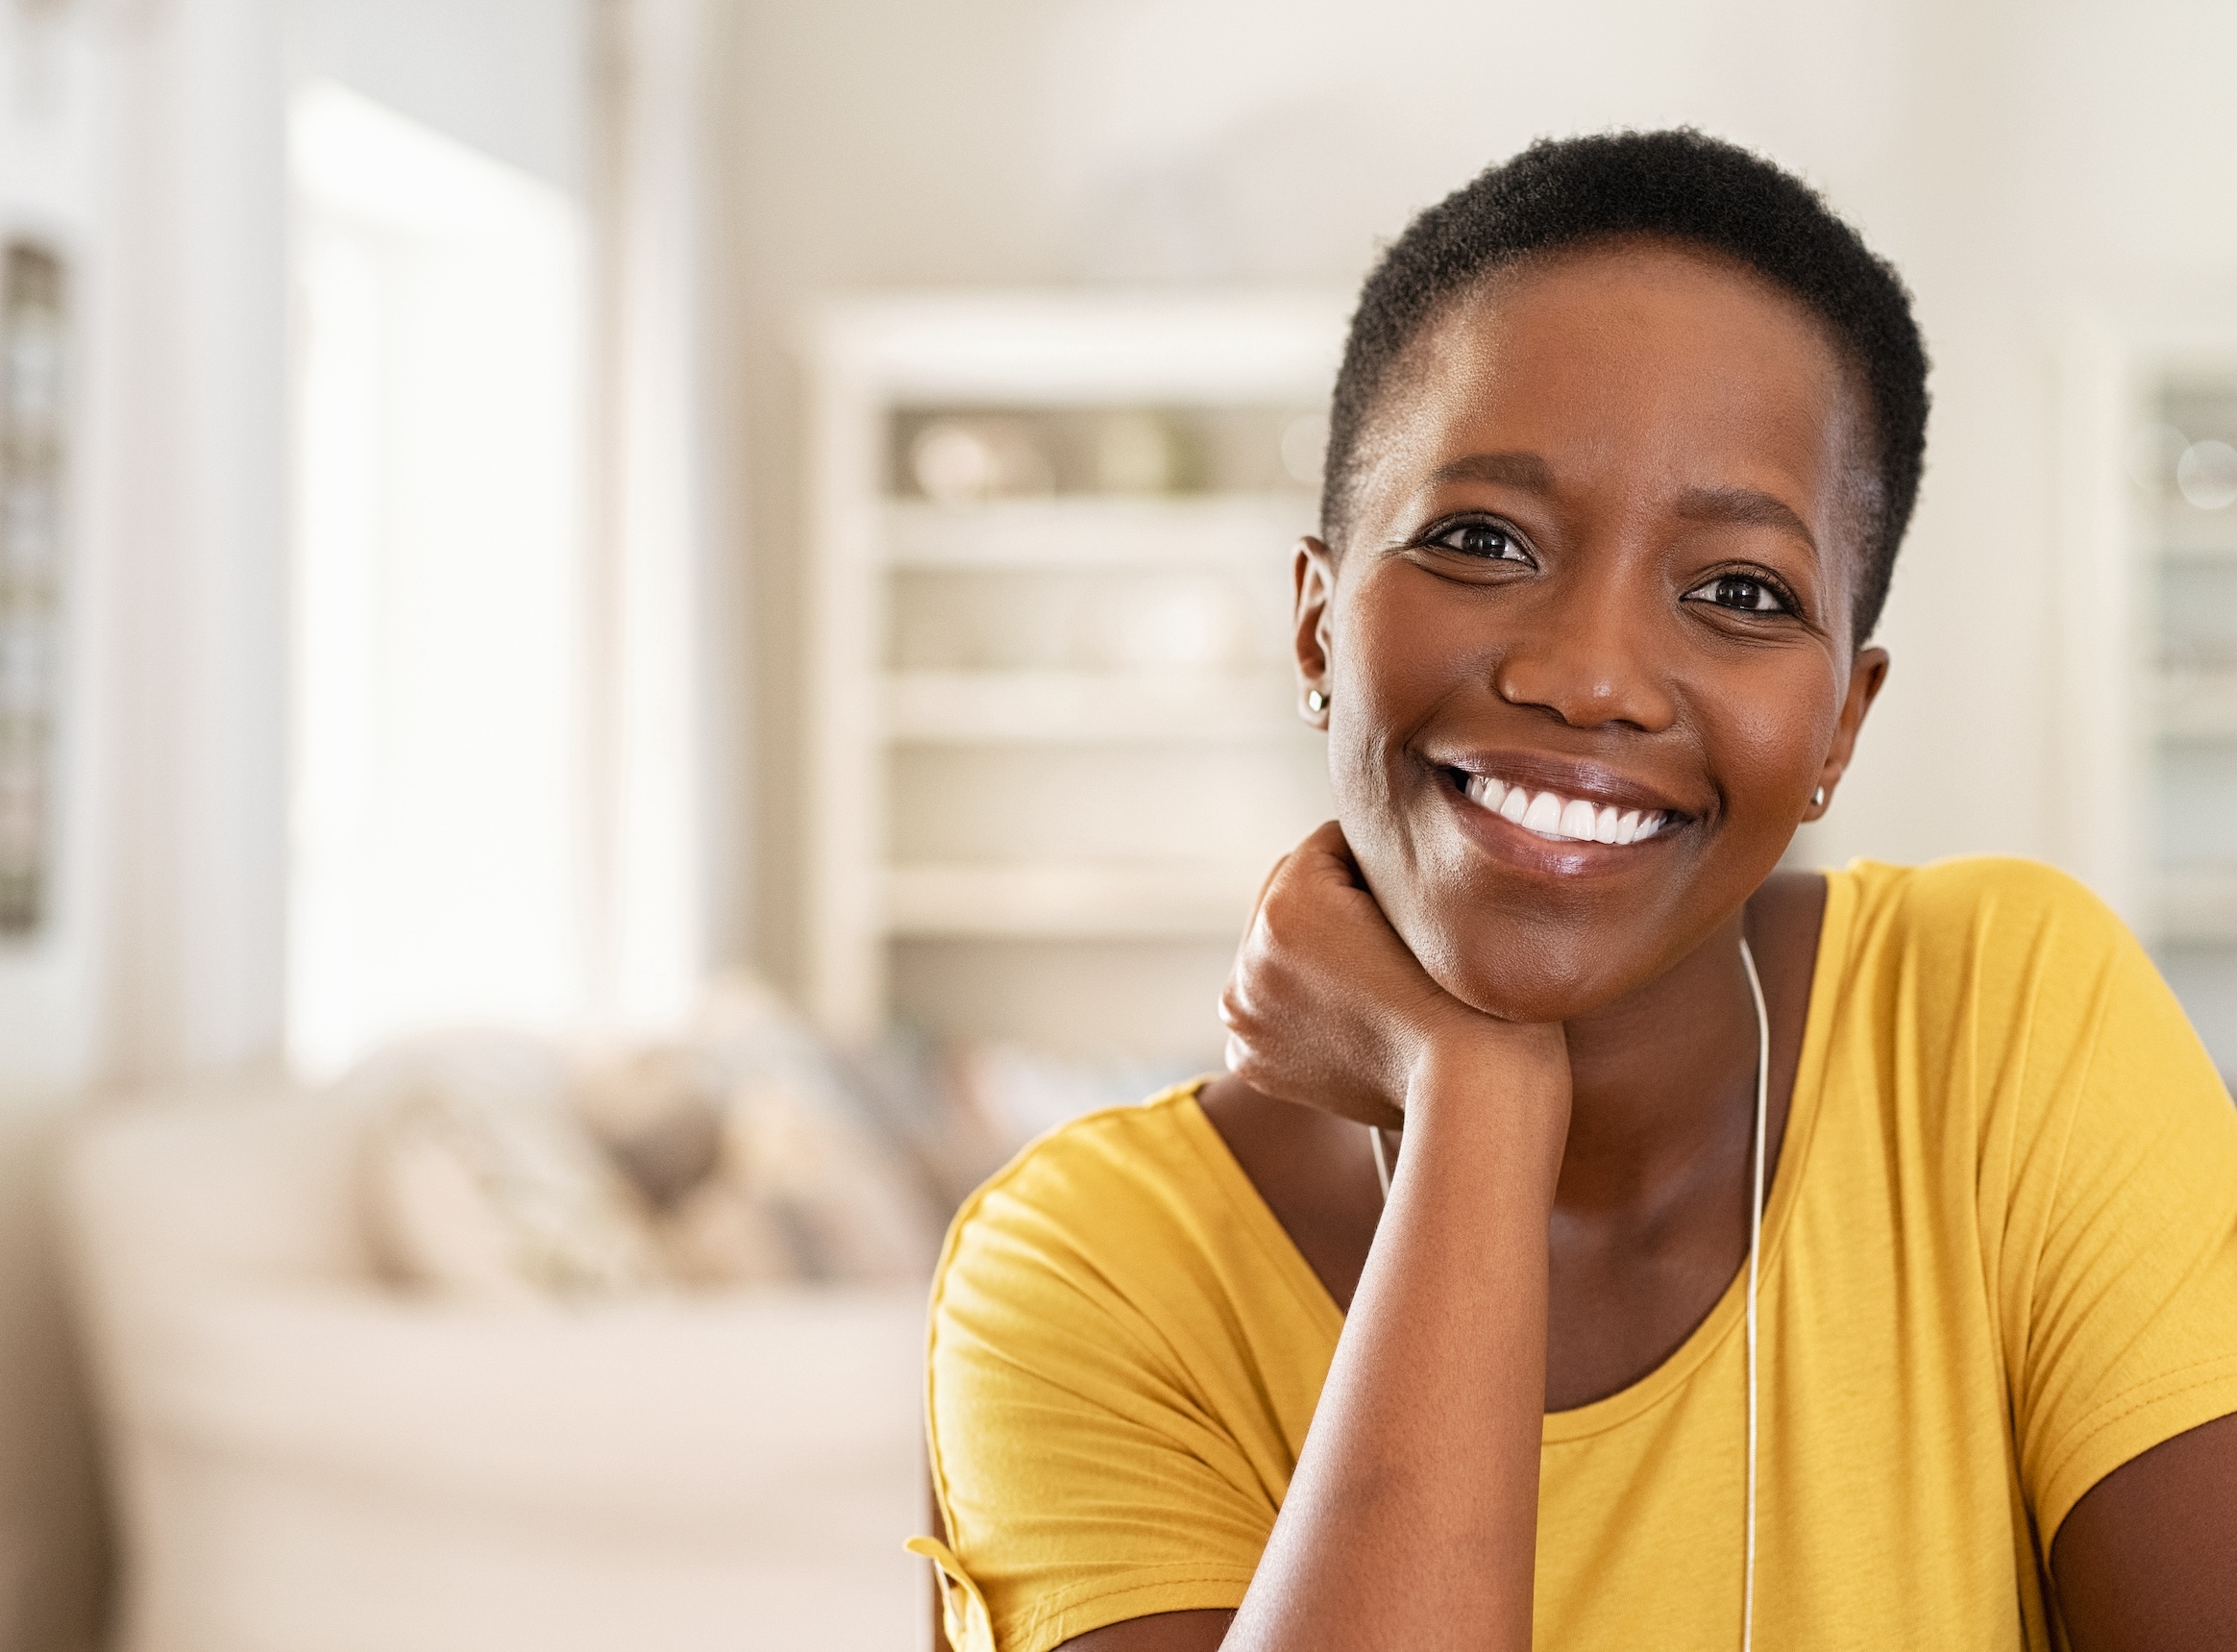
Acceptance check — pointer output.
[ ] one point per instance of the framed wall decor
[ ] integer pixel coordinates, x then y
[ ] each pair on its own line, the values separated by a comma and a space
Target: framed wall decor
34, 301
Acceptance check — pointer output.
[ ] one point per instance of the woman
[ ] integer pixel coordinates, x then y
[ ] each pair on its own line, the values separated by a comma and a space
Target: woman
1627, 435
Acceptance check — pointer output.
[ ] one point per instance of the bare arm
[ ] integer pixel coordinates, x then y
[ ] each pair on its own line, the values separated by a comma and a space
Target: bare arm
2147, 1561
1411, 1518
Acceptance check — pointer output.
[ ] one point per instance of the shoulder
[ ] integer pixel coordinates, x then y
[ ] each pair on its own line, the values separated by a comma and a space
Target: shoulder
1977, 897
1998, 993
1993, 933
1094, 1173
1098, 1213
1097, 1435
1128, 1237
2008, 980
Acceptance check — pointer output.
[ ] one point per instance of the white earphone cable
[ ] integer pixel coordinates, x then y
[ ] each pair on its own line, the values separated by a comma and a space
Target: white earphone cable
1755, 1248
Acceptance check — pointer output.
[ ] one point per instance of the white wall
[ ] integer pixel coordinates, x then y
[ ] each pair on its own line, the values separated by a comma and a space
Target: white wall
2012, 160
188, 592
506, 77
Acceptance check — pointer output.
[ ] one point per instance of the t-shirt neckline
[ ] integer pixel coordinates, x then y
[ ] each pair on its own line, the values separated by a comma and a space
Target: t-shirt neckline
1725, 1317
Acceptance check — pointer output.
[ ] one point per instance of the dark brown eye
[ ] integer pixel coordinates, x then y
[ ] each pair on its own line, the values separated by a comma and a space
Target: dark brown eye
1739, 592
1485, 539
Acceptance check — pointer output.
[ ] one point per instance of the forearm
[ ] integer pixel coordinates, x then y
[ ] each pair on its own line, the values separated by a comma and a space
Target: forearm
1411, 1518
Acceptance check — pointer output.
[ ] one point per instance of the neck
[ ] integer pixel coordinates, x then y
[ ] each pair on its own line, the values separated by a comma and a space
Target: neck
1665, 1083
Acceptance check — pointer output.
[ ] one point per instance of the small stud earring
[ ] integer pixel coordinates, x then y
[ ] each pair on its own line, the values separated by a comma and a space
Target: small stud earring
1316, 702
1817, 798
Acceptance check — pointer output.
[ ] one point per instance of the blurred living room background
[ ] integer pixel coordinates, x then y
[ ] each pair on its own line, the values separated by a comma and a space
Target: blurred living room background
637, 635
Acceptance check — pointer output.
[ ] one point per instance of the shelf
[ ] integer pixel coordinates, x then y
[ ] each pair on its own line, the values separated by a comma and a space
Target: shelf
1045, 899
2198, 906
1037, 676
2198, 556
1099, 533
2198, 536
1060, 708
2197, 704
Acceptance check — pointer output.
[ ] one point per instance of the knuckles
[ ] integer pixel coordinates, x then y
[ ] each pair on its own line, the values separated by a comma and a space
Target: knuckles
1234, 1008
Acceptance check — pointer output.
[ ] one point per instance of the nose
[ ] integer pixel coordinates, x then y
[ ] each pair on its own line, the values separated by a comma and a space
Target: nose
1588, 653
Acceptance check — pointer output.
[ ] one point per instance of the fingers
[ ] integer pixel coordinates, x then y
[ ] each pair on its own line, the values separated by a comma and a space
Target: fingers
1325, 849
1322, 858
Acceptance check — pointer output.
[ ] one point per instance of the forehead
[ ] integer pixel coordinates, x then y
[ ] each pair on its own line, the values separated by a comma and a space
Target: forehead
1634, 371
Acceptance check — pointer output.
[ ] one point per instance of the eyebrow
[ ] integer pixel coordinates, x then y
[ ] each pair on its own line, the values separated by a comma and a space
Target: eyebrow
1744, 505
1513, 469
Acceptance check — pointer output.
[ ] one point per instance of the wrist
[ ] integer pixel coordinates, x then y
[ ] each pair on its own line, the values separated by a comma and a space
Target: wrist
1505, 1084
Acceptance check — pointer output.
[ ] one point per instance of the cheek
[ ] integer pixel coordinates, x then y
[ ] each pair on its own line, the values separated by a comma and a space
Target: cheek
1396, 662
1767, 745
1403, 660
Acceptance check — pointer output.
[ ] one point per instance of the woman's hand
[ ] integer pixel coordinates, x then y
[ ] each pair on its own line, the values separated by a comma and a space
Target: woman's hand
1327, 1007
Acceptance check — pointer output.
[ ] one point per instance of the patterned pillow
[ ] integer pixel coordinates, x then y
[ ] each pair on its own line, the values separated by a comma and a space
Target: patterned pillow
480, 1180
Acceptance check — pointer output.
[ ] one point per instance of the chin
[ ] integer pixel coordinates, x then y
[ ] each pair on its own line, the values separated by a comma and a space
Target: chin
1524, 974
1527, 949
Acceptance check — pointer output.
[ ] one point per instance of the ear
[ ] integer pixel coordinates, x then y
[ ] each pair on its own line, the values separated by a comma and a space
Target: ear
1312, 574
1866, 680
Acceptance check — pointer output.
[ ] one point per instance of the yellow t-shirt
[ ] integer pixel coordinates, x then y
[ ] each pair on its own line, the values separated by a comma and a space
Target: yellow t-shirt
1999, 1260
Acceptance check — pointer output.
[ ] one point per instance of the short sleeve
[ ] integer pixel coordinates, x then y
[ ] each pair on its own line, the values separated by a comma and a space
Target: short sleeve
1096, 1454
2121, 1312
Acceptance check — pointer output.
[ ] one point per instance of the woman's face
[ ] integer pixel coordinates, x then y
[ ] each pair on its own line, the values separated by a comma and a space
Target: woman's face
1597, 583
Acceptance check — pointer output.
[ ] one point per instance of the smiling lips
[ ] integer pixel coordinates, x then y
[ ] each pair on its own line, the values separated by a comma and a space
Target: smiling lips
1564, 820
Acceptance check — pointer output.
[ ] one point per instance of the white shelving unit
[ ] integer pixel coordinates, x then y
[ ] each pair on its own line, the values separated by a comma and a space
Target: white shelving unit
2148, 599
1055, 740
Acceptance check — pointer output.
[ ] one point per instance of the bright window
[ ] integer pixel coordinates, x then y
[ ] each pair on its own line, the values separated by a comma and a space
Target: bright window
440, 831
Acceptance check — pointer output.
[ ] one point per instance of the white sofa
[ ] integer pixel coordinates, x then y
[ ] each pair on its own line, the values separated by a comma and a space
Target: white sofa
305, 1461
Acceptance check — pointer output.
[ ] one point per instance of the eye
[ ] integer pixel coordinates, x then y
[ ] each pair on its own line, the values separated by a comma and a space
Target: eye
1742, 593
1487, 541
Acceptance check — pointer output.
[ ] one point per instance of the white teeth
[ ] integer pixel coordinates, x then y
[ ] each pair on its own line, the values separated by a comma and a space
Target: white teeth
1568, 819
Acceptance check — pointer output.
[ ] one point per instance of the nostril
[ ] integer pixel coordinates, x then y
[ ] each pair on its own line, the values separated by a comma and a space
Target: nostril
1590, 698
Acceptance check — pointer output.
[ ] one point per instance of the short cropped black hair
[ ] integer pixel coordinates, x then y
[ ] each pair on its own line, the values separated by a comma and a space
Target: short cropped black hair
1683, 186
